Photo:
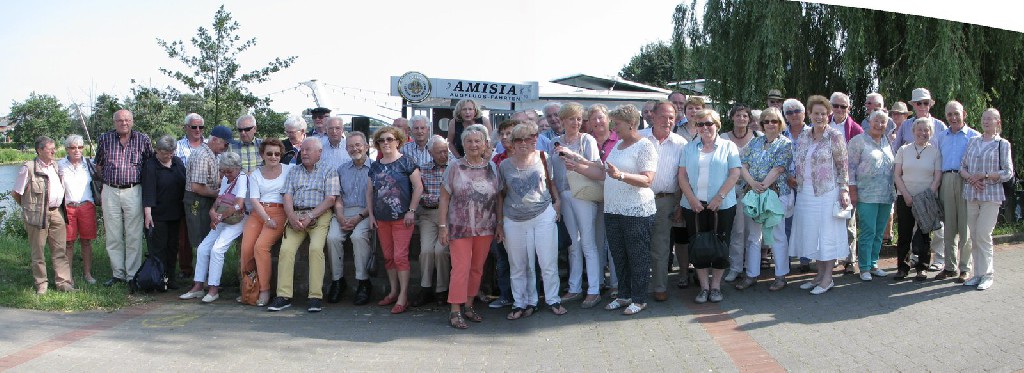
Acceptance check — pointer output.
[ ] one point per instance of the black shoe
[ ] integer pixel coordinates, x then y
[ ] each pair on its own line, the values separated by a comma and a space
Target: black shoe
314, 305
279, 303
441, 298
173, 285
337, 288
425, 296
112, 281
362, 293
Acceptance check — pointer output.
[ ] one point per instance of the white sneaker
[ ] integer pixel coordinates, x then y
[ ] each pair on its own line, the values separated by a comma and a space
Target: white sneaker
865, 276
973, 281
209, 298
986, 283
878, 272
731, 276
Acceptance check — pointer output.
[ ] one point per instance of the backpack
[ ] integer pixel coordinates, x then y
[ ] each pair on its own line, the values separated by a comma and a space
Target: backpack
150, 276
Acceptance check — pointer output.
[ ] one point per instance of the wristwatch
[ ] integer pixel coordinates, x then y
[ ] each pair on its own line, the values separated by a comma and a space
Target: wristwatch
412, 210
622, 176
237, 207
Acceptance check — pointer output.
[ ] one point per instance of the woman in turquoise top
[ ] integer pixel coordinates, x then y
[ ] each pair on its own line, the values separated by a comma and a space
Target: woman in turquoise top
873, 190
708, 171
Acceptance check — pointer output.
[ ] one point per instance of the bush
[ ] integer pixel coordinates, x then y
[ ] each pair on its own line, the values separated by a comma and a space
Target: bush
15, 156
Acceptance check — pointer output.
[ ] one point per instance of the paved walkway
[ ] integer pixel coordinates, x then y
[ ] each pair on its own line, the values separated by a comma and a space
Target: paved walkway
875, 326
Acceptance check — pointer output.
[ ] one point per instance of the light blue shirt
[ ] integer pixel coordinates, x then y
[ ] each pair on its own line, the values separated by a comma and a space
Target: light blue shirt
905, 134
724, 158
952, 145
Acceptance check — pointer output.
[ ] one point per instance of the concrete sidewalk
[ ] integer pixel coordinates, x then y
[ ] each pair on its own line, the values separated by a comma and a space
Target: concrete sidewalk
857, 326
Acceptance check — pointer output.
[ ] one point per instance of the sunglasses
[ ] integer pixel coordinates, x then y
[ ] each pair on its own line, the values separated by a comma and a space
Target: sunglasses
771, 121
516, 140
704, 124
246, 129
921, 103
272, 154
791, 112
197, 127
839, 106
386, 140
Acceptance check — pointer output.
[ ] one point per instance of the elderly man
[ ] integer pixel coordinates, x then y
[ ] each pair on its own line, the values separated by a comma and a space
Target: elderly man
666, 193
898, 113
119, 156
78, 201
202, 184
434, 257
310, 192
417, 147
248, 146
334, 149
873, 102
952, 145
349, 222
295, 130
551, 113
193, 139
648, 114
841, 119
774, 99
39, 192
403, 124
319, 115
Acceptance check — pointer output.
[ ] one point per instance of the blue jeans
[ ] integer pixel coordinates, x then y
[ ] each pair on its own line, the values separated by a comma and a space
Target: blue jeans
501, 270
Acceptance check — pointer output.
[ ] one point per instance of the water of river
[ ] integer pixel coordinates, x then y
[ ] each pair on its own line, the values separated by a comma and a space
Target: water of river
7, 175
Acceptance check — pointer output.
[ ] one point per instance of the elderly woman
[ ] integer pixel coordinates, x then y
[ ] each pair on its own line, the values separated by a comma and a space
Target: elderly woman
629, 206
528, 209
872, 190
795, 115
78, 200
597, 126
295, 129
987, 164
468, 221
580, 215
210, 254
821, 177
267, 225
393, 193
467, 113
917, 167
708, 172
163, 187
741, 134
765, 161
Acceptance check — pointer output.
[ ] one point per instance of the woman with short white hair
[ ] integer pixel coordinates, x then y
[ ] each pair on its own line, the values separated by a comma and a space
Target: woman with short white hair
79, 202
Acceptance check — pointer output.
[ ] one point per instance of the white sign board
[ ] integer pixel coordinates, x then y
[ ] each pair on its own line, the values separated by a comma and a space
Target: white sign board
411, 86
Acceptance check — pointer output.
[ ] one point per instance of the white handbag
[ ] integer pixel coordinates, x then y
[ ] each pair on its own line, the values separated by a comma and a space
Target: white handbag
840, 213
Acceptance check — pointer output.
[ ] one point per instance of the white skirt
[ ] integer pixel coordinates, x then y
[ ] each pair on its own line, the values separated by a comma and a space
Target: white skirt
817, 234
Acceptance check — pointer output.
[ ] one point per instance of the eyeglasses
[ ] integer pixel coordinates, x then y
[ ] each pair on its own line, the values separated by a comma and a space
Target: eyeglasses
791, 112
75, 147
921, 103
516, 140
197, 127
840, 106
771, 121
704, 124
272, 154
246, 129
386, 140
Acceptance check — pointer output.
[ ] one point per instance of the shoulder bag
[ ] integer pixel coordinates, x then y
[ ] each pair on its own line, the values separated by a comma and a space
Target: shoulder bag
226, 202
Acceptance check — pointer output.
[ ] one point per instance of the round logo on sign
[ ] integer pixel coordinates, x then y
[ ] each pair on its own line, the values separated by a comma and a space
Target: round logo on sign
414, 86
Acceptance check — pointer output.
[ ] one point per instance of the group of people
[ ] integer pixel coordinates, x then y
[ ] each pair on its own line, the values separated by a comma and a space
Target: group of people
623, 196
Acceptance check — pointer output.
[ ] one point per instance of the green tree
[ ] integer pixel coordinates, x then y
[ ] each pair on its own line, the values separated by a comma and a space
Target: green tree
38, 115
155, 112
270, 122
214, 72
652, 66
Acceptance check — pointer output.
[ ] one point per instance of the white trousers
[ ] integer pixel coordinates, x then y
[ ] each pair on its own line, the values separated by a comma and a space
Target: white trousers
581, 220
529, 242
210, 256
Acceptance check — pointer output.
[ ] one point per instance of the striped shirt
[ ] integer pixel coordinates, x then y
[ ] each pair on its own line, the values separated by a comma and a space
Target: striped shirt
249, 153
420, 155
309, 188
122, 164
354, 180
333, 156
987, 157
432, 176
203, 169
184, 150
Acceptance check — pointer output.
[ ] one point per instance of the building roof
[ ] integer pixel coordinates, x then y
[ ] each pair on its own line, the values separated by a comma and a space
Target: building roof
611, 83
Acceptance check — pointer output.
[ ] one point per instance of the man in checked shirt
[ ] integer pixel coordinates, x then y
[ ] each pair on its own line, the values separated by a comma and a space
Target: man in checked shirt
435, 259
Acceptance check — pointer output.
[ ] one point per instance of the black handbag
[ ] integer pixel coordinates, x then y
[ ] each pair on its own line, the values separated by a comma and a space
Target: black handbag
707, 247
95, 183
1010, 186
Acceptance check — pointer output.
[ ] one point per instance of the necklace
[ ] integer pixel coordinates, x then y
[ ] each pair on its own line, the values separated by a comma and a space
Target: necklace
920, 151
746, 130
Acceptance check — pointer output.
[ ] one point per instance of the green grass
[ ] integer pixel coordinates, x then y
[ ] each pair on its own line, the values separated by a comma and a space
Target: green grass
10, 156
1011, 228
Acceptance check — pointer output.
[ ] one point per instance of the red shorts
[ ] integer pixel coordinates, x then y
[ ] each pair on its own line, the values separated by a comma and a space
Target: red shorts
82, 222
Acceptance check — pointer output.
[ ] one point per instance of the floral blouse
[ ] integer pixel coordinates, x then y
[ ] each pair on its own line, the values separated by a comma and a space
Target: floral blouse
761, 157
828, 161
392, 188
871, 169
473, 206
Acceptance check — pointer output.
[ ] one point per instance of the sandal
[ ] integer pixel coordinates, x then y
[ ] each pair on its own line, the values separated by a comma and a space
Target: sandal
471, 315
557, 309
618, 303
516, 314
921, 276
634, 308
388, 300
456, 321
529, 311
